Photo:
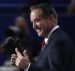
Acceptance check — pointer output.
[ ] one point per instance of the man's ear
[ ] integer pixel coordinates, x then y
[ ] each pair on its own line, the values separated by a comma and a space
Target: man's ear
51, 19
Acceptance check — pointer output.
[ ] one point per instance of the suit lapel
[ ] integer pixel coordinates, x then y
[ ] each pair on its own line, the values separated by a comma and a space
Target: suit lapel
42, 51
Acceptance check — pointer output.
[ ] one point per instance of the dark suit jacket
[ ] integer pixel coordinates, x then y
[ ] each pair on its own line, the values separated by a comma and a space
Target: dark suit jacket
58, 55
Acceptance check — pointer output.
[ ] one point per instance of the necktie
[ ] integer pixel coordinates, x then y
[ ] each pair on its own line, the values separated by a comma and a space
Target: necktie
43, 44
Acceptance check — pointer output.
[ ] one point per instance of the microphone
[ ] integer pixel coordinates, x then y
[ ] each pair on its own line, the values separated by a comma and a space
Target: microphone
9, 41
9, 44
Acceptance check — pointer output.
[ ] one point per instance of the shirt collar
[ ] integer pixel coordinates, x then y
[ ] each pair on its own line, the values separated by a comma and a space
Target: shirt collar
46, 39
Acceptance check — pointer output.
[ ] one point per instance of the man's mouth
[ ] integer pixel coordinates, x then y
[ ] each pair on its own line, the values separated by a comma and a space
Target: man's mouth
39, 31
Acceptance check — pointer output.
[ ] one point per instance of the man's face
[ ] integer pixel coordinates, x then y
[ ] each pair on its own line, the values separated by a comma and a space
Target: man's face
40, 24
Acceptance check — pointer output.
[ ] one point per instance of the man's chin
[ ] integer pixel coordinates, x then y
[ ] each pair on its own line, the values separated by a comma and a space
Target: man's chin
41, 35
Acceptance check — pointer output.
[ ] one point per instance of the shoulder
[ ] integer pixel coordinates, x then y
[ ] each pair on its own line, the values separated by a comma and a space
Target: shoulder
60, 38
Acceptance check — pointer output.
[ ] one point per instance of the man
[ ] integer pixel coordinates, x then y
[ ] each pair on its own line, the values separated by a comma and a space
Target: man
20, 21
71, 7
58, 53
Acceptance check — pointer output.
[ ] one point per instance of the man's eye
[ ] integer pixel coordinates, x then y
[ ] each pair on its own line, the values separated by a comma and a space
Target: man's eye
37, 20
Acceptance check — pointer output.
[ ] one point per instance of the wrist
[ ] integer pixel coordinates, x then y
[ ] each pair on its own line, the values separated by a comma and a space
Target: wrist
26, 69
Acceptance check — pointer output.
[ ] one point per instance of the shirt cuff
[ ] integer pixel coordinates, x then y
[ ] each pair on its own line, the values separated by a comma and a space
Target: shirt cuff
27, 67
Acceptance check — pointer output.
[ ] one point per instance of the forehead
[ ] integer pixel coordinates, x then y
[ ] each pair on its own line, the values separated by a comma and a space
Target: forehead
36, 13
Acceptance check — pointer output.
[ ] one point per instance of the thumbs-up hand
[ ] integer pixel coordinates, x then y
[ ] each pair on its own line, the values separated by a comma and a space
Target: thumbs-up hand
21, 61
18, 53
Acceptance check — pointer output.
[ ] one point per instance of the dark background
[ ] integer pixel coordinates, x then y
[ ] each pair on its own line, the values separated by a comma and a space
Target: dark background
10, 9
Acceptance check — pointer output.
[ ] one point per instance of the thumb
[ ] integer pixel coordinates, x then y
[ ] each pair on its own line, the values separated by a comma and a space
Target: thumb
18, 53
25, 53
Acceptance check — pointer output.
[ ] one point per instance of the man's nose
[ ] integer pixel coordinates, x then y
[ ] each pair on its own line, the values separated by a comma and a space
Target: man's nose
34, 25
